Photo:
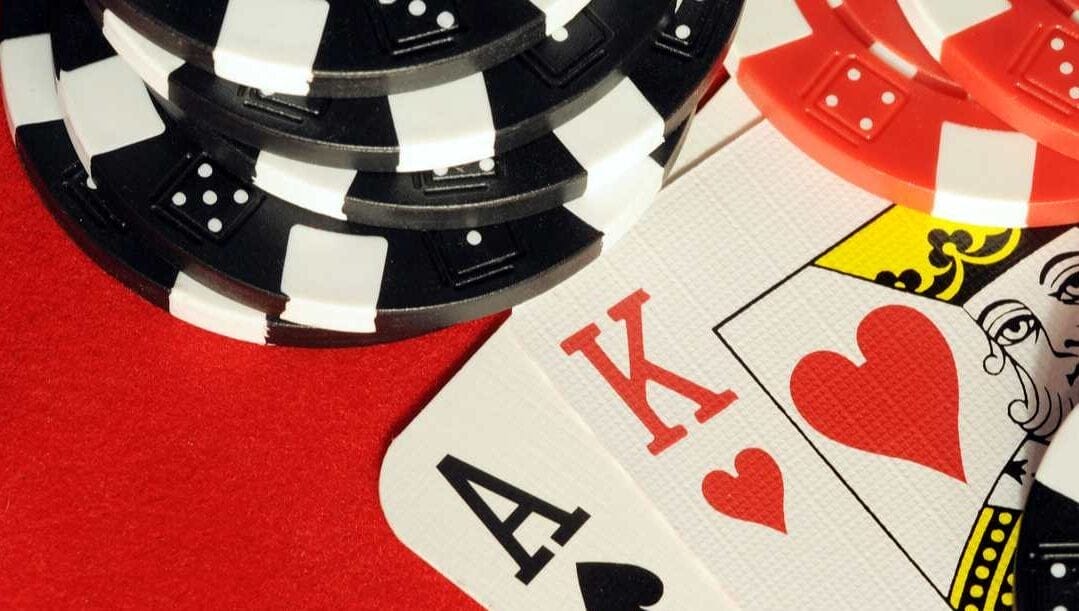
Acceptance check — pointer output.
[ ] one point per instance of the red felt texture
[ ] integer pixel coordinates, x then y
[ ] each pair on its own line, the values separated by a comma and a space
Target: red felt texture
145, 463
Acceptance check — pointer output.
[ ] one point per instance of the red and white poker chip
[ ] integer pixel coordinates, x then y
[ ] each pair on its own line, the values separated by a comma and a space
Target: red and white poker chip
849, 83
1019, 59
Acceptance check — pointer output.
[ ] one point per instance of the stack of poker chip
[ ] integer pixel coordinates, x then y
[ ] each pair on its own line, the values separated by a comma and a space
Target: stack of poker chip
334, 172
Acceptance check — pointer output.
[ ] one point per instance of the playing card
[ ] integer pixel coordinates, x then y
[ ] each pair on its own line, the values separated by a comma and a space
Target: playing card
501, 488
929, 363
773, 348
630, 346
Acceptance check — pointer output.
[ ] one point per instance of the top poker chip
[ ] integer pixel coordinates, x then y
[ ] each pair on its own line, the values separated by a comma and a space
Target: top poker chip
850, 84
344, 48
1047, 561
1017, 58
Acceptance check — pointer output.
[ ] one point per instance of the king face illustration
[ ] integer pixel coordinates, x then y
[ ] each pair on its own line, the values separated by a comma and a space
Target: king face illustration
1030, 316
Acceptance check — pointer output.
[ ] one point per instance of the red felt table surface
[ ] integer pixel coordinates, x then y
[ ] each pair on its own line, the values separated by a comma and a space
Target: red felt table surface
146, 463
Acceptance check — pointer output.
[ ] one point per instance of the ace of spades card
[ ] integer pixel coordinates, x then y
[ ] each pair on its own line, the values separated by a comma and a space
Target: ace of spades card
929, 363
498, 486
499, 436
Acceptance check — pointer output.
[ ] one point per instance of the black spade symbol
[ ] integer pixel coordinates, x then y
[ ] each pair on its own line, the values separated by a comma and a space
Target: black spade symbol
608, 586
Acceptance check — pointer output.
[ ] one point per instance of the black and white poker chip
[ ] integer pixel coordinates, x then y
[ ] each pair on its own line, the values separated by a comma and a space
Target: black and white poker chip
1047, 561
303, 267
526, 181
88, 216
617, 69
345, 48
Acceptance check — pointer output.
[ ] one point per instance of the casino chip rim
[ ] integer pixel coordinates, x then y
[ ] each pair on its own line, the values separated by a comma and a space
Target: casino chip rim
354, 196
299, 72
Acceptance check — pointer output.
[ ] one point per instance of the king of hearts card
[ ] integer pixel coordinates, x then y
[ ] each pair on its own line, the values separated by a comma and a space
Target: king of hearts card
834, 402
929, 364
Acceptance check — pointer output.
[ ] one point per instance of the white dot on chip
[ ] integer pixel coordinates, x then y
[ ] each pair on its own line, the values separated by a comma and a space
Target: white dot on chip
683, 31
1066, 68
866, 124
1057, 44
854, 74
209, 198
417, 8
487, 165
888, 97
832, 100
206, 170
241, 197
1058, 570
445, 20
179, 199
474, 238
560, 35
1074, 93
215, 225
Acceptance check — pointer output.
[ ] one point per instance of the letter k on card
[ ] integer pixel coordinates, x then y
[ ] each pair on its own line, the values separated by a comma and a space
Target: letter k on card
633, 389
759, 475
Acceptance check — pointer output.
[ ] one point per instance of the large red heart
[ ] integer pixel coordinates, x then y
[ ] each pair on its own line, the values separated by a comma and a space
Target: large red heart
754, 495
903, 402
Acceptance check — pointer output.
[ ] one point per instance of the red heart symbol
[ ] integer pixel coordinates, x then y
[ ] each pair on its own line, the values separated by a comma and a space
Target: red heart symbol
903, 402
754, 495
